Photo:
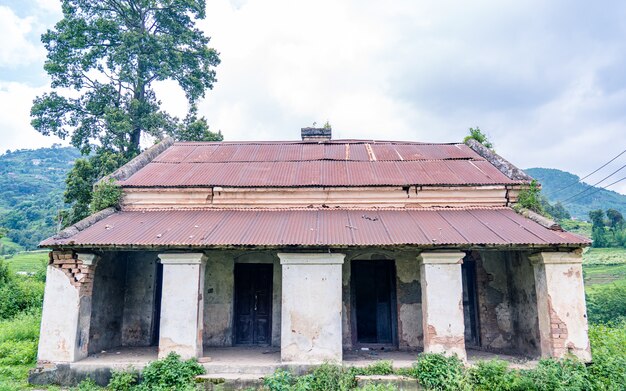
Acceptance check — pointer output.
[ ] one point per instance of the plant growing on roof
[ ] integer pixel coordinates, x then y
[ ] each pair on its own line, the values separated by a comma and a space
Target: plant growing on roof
104, 58
106, 194
478, 135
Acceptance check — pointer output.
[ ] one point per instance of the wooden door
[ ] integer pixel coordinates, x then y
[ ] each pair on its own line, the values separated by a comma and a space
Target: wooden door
253, 303
374, 289
470, 303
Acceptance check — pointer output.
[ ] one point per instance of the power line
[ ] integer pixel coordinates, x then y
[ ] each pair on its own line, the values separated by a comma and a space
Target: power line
593, 186
604, 187
586, 176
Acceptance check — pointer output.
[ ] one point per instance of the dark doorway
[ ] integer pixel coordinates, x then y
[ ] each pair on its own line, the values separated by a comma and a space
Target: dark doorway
373, 283
156, 315
470, 303
253, 303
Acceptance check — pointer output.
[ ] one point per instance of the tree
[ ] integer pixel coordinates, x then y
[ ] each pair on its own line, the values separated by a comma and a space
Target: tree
616, 220
110, 53
478, 135
597, 218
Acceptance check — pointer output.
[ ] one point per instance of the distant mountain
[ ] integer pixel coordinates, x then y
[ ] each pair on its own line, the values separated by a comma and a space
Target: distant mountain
552, 180
32, 182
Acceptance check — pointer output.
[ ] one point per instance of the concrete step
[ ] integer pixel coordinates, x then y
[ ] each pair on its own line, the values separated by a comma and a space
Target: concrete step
229, 381
234, 369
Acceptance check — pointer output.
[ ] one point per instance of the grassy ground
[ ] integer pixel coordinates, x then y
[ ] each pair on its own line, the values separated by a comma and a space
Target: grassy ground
27, 261
603, 266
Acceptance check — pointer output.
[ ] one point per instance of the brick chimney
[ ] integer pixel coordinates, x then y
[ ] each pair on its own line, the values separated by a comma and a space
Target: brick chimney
316, 134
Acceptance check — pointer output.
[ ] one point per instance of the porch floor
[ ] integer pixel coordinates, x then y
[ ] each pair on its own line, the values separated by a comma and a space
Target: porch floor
264, 360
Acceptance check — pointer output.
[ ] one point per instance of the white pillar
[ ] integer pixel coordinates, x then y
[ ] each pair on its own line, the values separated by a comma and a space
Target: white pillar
442, 302
182, 305
561, 304
311, 307
66, 315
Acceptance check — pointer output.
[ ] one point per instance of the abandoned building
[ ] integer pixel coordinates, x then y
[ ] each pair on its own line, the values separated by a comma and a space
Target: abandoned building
314, 248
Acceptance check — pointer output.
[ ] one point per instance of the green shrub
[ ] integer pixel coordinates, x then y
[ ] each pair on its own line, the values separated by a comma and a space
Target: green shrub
495, 375
384, 367
87, 385
557, 375
123, 380
18, 352
331, 377
438, 372
23, 327
170, 373
607, 304
19, 295
608, 347
105, 194
280, 380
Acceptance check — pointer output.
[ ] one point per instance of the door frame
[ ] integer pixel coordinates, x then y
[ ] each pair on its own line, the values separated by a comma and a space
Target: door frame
393, 308
270, 310
469, 269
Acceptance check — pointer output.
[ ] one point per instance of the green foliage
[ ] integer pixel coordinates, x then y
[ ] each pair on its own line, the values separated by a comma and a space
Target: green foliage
495, 375
562, 375
111, 52
280, 380
87, 385
123, 380
607, 303
556, 211
478, 135
81, 179
32, 183
530, 198
18, 339
557, 186
19, 295
193, 128
106, 194
383, 367
438, 372
170, 373
608, 347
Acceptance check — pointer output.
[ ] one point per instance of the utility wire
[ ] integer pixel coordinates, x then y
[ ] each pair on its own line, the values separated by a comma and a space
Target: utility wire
586, 176
594, 185
601, 188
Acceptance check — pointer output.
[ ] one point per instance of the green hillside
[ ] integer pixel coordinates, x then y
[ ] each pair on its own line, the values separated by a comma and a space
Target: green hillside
552, 180
32, 183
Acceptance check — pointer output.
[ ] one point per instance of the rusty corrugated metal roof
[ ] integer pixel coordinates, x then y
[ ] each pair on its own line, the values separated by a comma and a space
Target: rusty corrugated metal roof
333, 163
317, 227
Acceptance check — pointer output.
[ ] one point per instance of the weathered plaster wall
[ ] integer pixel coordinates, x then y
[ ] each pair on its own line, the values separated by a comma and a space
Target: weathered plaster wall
494, 301
108, 302
524, 304
139, 300
220, 289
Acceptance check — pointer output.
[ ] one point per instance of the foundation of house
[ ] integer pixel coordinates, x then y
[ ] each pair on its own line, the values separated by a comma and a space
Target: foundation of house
234, 363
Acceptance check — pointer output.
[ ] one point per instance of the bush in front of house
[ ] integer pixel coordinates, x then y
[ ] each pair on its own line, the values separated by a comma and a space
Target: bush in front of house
169, 373
438, 372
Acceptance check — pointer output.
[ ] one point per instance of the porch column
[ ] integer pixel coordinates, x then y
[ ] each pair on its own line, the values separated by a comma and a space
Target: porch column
561, 304
442, 302
182, 304
66, 315
311, 307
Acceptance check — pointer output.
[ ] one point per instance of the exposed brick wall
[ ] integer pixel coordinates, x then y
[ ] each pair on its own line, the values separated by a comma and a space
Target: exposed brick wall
80, 275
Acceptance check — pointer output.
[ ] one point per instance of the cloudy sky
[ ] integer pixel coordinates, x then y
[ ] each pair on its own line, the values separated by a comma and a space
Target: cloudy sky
545, 80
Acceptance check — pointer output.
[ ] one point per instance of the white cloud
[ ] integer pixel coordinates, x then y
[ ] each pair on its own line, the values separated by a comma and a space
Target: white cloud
16, 49
16, 100
544, 79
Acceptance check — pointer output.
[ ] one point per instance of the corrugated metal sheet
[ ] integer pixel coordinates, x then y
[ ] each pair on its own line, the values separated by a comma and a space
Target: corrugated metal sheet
323, 227
317, 173
335, 163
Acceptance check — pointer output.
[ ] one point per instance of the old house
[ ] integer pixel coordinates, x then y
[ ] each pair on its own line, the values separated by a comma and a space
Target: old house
315, 248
